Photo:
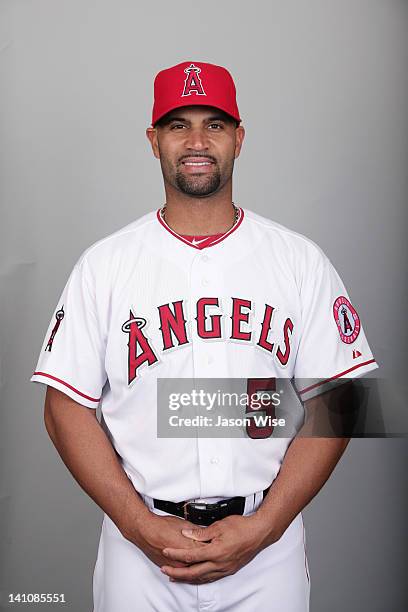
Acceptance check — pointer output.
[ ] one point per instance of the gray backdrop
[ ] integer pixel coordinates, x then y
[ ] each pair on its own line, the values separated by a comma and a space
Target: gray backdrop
322, 89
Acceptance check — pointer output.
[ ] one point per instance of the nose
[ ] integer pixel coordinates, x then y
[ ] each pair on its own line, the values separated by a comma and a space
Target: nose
197, 139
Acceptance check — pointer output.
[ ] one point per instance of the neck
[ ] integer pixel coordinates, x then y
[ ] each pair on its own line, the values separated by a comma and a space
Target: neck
204, 216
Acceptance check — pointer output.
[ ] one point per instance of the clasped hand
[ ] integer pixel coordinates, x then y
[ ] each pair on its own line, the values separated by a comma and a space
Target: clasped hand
222, 549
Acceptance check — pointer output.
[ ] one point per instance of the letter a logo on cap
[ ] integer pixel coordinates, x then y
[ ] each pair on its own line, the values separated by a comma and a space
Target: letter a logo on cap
192, 82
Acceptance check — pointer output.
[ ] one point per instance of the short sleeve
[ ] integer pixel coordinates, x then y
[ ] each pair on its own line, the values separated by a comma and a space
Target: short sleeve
332, 346
73, 353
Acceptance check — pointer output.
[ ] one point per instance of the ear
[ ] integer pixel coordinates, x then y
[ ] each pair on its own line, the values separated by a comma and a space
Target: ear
239, 135
151, 134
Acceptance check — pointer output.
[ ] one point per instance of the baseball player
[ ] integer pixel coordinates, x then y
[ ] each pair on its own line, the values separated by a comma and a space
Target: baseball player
200, 288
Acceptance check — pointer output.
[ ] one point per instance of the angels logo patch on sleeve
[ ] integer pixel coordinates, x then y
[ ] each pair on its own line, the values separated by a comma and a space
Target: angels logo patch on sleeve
59, 315
347, 319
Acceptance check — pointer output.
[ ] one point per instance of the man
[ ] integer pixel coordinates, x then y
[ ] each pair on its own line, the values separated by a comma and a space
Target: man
200, 289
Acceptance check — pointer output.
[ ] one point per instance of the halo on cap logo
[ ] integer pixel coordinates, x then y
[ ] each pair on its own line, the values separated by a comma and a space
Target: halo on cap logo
347, 319
192, 82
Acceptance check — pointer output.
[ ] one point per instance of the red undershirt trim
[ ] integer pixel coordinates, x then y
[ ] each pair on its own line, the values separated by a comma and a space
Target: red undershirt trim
323, 382
92, 399
203, 245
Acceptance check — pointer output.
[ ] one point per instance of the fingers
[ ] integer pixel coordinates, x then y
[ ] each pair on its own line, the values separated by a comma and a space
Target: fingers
202, 534
197, 574
211, 577
192, 555
164, 561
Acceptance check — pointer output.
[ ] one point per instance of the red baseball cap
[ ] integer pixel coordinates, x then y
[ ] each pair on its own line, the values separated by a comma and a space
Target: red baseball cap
194, 83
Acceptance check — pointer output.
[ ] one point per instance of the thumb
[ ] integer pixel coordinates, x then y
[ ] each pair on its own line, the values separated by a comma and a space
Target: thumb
200, 534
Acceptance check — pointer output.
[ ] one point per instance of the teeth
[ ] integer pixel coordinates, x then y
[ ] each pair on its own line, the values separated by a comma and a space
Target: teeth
197, 163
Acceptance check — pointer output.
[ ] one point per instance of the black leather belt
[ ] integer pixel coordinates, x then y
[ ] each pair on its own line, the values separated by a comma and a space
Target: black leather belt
201, 513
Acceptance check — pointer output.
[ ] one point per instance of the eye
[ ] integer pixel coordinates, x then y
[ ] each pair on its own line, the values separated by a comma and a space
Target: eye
217, 126
177, 126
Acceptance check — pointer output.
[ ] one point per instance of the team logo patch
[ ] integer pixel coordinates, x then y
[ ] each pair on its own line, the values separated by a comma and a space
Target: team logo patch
192, 82
59, 315
347, 319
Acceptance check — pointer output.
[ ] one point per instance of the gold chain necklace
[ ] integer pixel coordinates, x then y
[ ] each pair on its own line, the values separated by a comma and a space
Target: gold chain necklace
236, 213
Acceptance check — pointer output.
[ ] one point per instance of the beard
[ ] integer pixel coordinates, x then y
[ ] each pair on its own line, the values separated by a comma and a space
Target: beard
199, 184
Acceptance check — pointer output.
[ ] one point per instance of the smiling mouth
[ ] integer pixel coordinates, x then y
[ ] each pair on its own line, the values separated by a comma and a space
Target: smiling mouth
198, 166
197, 163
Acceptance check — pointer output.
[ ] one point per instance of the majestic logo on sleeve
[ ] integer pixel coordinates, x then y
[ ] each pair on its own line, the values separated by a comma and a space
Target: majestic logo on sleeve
59, 315
192, 82
347, 319
209, 323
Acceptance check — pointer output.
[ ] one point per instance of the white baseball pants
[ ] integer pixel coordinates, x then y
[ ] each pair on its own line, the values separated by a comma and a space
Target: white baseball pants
277, 579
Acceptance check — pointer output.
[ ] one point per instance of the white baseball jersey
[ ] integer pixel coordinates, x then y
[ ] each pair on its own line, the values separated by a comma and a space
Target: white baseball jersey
143, 304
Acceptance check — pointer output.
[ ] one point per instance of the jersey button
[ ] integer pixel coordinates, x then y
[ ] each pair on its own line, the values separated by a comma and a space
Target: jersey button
205, 282
205, 258
215, 460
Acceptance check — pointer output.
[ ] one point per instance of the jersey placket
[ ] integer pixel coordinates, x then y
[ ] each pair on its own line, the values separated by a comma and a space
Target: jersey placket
209, 359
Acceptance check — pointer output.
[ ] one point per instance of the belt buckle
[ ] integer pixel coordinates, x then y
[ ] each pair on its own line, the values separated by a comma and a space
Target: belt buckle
185, 509
196, 505
201, 506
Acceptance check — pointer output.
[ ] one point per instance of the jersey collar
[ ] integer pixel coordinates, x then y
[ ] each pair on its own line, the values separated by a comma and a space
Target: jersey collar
197, 246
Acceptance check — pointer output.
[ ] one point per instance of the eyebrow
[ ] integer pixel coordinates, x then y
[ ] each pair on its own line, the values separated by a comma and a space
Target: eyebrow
212, 118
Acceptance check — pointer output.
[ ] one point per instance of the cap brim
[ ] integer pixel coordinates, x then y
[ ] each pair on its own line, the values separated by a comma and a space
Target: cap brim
195, 103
